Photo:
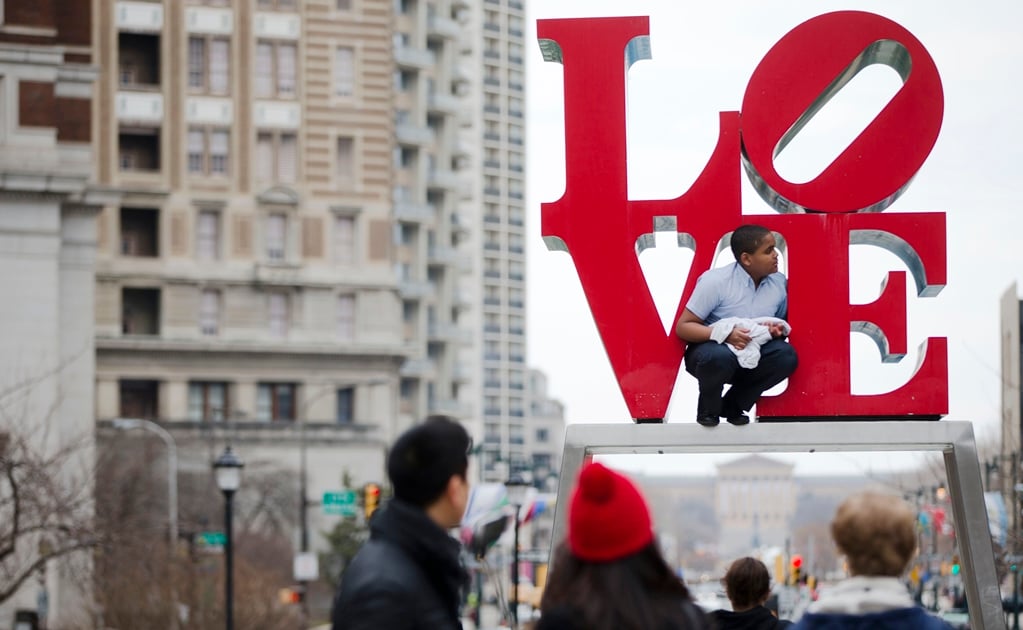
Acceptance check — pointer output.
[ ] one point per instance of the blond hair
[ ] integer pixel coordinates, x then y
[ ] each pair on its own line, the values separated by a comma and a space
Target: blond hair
876, 532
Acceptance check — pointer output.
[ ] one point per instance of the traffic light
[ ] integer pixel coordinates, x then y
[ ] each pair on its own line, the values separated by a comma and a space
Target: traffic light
796, 565
955, 565
370, 498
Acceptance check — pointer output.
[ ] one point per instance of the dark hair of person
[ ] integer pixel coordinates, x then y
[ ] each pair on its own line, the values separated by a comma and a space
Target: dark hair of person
747, 583
746, 239
423, 459
636, 592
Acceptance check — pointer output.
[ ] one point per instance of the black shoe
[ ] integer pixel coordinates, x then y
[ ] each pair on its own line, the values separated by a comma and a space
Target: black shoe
738, 420
708, 420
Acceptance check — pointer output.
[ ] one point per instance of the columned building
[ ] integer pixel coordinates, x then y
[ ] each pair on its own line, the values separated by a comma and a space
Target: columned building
755, 504
47, 251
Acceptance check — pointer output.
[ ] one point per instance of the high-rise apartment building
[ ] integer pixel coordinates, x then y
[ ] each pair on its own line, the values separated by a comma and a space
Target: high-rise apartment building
430, 230
495, 56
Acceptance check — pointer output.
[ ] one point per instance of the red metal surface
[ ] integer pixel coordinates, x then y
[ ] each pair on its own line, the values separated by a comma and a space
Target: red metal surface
598, 225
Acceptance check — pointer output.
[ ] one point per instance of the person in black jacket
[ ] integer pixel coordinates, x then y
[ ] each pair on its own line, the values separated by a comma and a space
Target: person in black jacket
610, 574
409, 575
748, 585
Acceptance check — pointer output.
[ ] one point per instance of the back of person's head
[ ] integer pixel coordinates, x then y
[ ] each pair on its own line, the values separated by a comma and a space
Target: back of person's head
747, 583
747, 238
424, 458
609, 573
876, 532
608, 518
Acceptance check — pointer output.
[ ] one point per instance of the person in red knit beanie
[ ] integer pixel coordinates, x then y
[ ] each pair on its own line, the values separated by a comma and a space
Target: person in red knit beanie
609, 573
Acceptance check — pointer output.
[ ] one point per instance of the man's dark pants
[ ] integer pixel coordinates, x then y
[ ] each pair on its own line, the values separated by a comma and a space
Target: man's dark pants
714, 364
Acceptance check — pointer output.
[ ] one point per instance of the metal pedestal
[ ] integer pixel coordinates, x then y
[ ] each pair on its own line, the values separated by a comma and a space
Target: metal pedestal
954, 439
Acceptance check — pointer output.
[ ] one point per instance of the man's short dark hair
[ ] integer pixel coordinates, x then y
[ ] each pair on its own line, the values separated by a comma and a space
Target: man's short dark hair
747, 238
747, 583
423, 459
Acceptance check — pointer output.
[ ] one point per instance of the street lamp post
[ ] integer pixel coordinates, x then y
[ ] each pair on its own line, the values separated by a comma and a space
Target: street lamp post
517, 487
228, 469
127, 424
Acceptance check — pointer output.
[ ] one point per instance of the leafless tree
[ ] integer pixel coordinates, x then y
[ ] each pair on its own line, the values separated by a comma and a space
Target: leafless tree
185, 584
46, 504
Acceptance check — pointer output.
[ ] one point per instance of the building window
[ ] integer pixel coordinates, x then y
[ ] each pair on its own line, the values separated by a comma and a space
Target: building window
275, 402
275, 69
139, 399
277, 314
207, 237
219, 148
138, 149
346, 317
344, 71
276, 157
542, 435
345, 166
276, 237
209, 312
346, 405
196, 151
207, 402
343, 5
138, 57
344, 240
140, 232
140, 311
208, 151
209, 64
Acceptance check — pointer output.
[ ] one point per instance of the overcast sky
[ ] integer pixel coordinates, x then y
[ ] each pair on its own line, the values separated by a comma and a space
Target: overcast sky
703, 56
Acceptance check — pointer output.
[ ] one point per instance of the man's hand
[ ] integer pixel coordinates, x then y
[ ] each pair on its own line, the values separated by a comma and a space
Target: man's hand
739, 337
777, 330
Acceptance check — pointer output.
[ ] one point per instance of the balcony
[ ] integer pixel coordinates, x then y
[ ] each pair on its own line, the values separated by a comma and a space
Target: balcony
443, 103
416, 135
278, 115
463, 299
209, 110
209, 20
140, 107
437, 26
415, 289
410, 212
418, 368
414, 58
461, 373
139, 16
277, 25
451, 333
443, 179
459, 225
448, 407
439, 255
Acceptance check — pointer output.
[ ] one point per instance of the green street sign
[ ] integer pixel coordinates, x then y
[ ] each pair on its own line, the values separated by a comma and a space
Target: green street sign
211, 539
341, 503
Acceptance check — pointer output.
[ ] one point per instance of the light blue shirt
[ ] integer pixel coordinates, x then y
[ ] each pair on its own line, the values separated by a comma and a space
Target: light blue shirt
729, 292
